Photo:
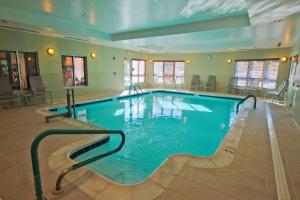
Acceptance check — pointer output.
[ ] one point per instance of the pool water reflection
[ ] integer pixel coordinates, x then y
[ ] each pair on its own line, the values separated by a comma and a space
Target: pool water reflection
157, 126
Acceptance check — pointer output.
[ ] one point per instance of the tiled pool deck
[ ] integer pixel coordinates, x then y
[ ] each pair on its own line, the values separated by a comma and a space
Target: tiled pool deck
249, 176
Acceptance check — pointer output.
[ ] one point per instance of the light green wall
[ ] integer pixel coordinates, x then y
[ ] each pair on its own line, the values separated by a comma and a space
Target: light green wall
218, 66
100, 70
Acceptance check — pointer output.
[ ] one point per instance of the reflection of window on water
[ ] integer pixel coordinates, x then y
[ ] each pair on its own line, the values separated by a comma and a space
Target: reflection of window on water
82, 115
169, 106
119, 112
165, 107
133, 108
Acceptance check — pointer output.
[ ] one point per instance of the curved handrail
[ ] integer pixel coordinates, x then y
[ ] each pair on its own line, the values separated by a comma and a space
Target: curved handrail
35, 159
134, 87
139, 87
243, 100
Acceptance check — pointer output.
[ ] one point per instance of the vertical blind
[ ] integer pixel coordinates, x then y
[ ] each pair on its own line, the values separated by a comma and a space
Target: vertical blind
262, 72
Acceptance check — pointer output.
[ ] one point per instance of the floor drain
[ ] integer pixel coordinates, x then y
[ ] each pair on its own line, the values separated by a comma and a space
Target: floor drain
229, 150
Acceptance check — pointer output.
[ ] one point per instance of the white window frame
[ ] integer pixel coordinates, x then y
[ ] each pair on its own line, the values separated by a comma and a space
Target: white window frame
263, 79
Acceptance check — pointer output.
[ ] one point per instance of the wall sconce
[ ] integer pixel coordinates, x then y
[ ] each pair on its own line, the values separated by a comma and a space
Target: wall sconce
50, 51
188, 61
150, 61
229, 60
283, 59
93, 55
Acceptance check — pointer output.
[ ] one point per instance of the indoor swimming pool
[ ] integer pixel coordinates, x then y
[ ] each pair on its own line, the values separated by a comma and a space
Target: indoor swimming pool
157, 125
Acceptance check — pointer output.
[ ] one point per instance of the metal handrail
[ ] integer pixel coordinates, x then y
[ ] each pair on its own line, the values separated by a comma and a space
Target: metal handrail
35, 159
139, 87
243, 100
135, 89
70, 105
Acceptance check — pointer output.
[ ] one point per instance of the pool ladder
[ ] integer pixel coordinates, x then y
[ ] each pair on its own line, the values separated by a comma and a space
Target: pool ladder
243, 100
35, 159
70, 106
135, 88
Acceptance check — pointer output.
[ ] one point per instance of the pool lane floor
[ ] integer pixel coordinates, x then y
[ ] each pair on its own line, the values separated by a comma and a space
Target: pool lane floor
249, 176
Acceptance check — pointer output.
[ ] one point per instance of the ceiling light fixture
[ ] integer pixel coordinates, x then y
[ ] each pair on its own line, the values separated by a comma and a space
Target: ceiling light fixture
229, 60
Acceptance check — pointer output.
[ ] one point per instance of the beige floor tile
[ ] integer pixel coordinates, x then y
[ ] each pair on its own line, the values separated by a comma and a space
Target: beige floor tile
172, 195
115, 192
146, 191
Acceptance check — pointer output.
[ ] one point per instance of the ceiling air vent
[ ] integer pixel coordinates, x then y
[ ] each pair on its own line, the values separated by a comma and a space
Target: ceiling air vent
19, 29
78, 39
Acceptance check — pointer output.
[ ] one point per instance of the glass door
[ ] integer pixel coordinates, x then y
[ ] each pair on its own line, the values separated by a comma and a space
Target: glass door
68, 71
9, 68
28, 67
136, 72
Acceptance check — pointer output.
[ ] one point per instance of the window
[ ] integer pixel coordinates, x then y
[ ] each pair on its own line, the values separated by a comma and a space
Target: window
264, 71
158, 71
18, 72
138, 71
126, 73
168, 72
74, 71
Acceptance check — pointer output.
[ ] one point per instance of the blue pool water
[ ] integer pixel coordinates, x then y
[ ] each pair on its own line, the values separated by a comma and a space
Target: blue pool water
156, 125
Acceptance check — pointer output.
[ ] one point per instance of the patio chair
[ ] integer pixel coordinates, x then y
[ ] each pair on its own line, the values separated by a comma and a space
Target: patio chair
6, 92
232, 86
211, 83
278, 92
195, 83
253, 86
38, 88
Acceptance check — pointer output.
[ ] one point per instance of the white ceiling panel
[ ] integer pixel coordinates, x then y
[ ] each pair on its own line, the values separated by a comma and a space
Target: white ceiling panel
160, 25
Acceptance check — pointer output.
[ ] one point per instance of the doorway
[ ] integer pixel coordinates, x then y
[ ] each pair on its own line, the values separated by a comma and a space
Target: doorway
28, 67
